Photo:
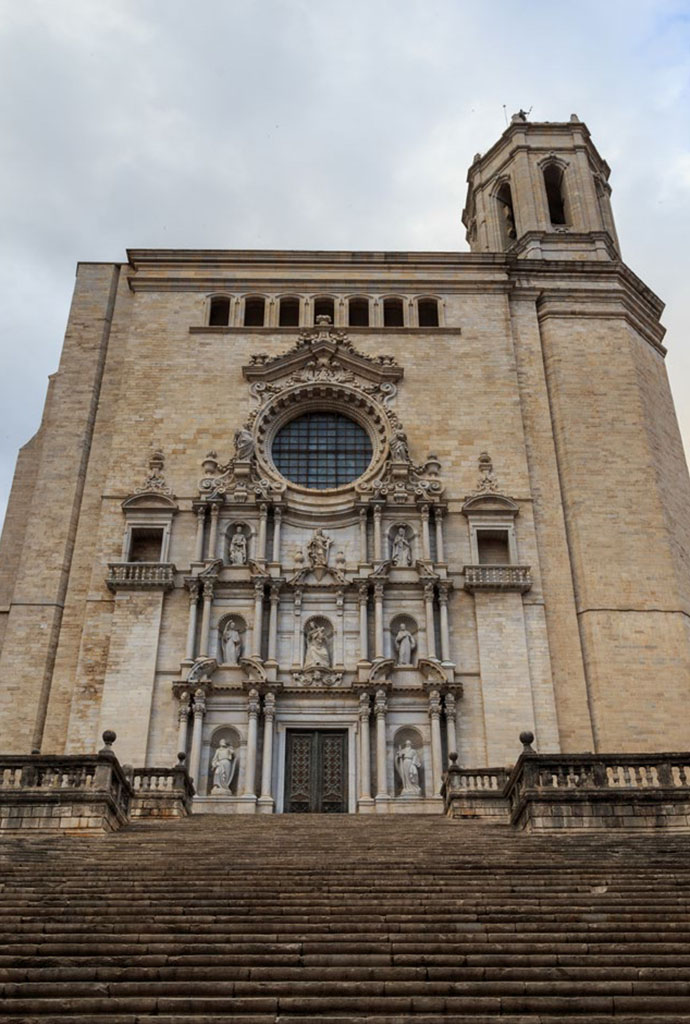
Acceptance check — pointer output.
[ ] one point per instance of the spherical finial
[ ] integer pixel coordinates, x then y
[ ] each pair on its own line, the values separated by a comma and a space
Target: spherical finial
527, 739
181, 757
35, 750
453, 757
109, 737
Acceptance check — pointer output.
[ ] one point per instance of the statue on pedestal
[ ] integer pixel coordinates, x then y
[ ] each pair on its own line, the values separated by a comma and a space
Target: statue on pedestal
407, 765
317, 549
238, 547
401, 552
405, 644
223, 764
231, 643
317, 653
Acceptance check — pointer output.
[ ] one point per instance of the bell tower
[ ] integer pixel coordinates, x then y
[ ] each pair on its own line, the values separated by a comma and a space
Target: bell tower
541, 192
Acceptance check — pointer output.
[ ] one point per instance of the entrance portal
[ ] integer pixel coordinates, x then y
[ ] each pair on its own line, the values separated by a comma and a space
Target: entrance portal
316, 772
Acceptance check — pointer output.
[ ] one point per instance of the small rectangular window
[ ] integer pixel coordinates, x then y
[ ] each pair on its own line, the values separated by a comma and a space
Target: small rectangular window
219, 313
358, 313
289, 313
427, 310
493, 547
393, 313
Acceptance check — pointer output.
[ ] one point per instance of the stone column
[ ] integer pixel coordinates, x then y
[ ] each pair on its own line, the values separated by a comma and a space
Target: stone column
297, 636
429, 610
451, 723
426, 546
266, 799
438, 521
213, 532
445, 629
209, 583
378, 620
193, 587
200, 522
183, 722
364, 748
258, 616
277, 522
380, 707
363, 623
362, 535
261, 543
250, 768
436, 760
273, 623
340, 613
378, 546
199, 709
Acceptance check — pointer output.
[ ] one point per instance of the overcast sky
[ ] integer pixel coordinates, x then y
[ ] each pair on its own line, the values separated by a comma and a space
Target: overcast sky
311, 124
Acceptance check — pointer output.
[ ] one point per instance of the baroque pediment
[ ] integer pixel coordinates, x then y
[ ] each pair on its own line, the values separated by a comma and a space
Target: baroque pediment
321, 355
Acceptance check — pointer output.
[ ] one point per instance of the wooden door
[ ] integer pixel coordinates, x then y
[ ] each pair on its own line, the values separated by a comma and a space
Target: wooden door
316, 772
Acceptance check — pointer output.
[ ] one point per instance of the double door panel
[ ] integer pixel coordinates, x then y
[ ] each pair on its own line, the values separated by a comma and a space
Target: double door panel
316, 771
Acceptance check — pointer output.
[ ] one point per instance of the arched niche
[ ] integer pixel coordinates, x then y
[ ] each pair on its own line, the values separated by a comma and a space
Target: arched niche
318, 636
408, 757
401, 550
237, 543
233, 741
232, 647
402, 644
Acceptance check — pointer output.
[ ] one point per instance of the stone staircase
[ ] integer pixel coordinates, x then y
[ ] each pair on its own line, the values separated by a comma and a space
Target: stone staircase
343, 918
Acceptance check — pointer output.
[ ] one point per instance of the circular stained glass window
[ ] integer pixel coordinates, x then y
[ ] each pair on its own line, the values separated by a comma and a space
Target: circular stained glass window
321, 450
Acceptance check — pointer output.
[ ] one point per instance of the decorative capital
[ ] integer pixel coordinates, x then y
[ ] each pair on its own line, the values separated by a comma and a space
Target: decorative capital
364, 706
363, 592
199, 703
434, 704
253, 703
429, 591
209, 584
450, 706
259, 585
192, 585
270, 705
378, 591
380, 704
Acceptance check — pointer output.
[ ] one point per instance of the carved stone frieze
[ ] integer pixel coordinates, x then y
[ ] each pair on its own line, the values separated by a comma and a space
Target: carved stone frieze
317, 676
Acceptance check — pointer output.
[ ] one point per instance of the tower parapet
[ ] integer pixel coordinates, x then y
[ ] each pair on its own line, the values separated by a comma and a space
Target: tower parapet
541, 192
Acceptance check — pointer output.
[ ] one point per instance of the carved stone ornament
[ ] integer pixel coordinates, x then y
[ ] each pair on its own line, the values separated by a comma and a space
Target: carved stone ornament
155, 481
317, 676
487, 482
201, 670
322, 370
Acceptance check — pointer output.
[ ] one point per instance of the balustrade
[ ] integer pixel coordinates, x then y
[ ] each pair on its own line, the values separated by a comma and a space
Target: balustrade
498, 577
140, 575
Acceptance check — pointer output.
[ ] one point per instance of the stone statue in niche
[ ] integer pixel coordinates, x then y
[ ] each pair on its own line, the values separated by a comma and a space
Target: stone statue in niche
405, 645
399, 450
318, 548
238, 547
244, 445
407, 765
318, 654
401, 549
223, 764
231, 643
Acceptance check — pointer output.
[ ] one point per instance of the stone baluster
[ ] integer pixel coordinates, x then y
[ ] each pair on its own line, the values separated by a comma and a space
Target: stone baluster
445, 629
378, 620
199, 710
193, 587
261, 543
363, 535
378, 545
252, 726
277, 523
297, 636
266, 798
451, 708
426, 545
438, 521
209, 583
429, 611
183, 722
364, 747
258, 616
380, 708
213, 531
436, 756
273, 622
363, 592
200, 525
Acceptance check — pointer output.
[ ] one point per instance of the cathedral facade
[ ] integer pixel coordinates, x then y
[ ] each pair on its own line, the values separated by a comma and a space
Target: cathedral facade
321, 519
